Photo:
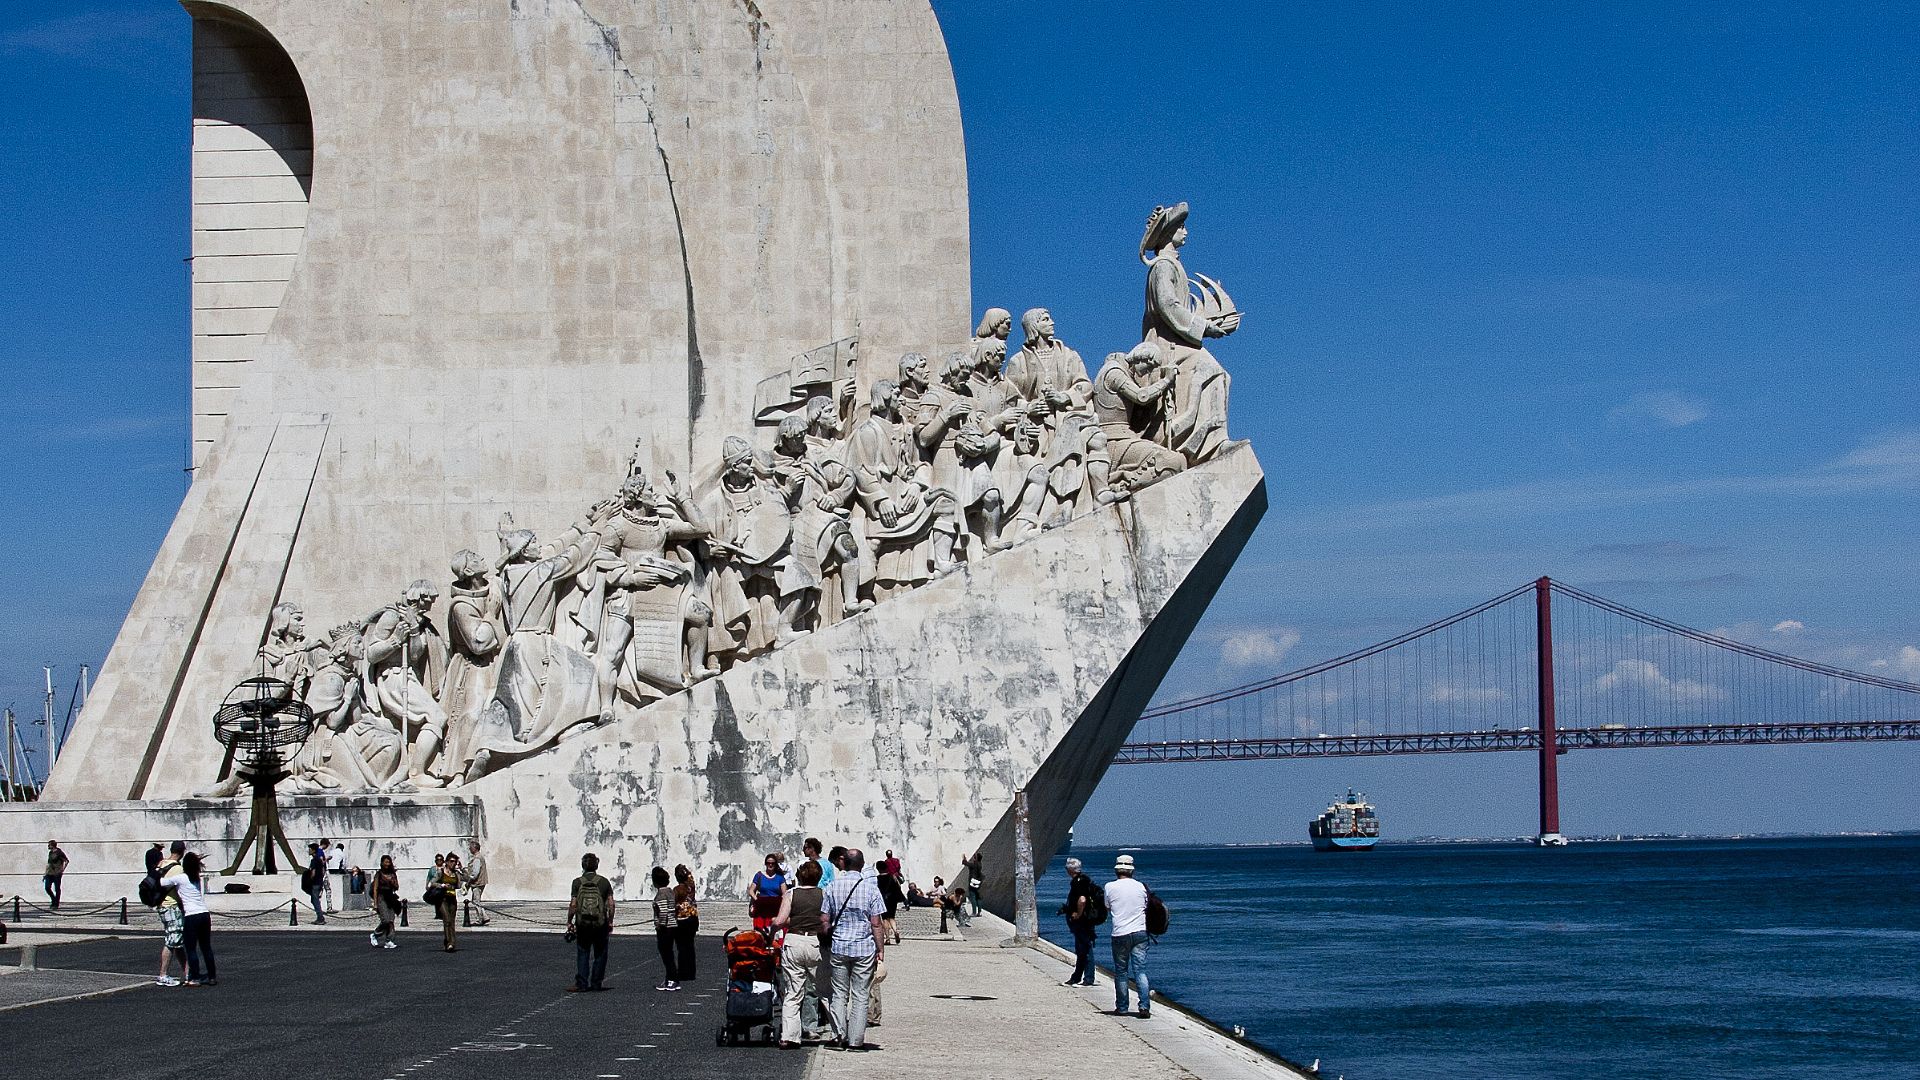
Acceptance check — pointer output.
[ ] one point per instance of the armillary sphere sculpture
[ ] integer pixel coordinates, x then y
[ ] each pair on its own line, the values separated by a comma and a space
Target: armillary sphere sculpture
263, 724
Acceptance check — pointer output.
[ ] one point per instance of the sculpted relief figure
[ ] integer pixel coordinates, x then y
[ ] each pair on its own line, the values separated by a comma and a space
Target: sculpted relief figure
754, 589
352, 749
403, 655
907, 519
1072, 447
1129, 401
961, 440
1179, 323
545, 687
286, 654
473, 646
641, 614
819, 489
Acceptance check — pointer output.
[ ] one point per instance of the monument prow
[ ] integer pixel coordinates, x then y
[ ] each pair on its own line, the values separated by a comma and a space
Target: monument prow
508, 366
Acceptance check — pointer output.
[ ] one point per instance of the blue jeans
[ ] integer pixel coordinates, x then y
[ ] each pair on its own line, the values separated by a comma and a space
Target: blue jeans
1130, 962
1082, 952
852, 978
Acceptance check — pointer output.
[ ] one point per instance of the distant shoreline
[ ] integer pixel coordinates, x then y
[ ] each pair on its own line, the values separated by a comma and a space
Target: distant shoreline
1523, 841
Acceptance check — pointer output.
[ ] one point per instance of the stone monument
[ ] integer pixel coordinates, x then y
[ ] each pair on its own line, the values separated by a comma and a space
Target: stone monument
568, 358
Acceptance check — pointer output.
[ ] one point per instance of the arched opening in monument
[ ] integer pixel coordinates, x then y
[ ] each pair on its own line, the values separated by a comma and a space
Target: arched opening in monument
252, 178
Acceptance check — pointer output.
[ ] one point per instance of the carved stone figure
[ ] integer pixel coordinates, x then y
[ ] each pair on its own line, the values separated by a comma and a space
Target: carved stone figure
639, 612
546, 687
819, 489
1179, 323
351, 749
473, 648
404, 655
1072, 446
996, 324
752, 542
908, 521
1129, 398
960, 441
286, 654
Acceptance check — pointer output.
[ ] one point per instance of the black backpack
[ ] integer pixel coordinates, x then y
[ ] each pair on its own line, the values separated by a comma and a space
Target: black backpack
151, 892
1156, 915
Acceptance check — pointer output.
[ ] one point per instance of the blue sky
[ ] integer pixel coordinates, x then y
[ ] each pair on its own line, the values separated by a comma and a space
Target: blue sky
1629, 297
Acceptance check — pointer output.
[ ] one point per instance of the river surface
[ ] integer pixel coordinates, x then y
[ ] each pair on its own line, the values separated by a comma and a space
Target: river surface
1763, 959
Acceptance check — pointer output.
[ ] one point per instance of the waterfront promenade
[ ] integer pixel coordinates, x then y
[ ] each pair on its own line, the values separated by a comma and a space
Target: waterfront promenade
499, 1007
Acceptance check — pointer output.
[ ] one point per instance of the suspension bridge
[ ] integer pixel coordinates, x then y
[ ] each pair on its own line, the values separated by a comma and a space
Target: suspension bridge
1544, 667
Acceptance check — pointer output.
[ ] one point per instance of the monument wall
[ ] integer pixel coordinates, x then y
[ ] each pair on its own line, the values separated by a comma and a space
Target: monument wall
534, 231
636, 296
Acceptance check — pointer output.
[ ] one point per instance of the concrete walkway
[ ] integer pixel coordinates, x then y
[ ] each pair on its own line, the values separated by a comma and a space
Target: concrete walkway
966, 1006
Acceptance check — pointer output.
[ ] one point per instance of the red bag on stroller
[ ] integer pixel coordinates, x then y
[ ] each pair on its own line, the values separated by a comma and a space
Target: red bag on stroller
752, 955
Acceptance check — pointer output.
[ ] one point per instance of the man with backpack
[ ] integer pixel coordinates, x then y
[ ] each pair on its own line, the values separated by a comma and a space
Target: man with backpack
590, 924
173, 923
1085, 909
1127, 902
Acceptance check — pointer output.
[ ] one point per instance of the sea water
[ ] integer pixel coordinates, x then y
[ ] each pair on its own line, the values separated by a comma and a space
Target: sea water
1763, 959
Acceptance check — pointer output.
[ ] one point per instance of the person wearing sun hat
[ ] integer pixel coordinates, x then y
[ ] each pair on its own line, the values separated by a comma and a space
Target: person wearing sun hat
1127, 907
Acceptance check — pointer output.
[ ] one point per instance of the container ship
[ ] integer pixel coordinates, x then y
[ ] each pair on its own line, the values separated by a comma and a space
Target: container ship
1347, 825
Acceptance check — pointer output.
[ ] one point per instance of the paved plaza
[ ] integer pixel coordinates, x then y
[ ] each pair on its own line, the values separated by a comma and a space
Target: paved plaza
957, 1004
498, 1007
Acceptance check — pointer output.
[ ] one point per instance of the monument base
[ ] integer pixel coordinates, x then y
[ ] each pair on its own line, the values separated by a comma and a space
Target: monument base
107, 841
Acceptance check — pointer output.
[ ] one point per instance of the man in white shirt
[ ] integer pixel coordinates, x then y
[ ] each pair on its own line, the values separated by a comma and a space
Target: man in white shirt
336, 872
1127, 907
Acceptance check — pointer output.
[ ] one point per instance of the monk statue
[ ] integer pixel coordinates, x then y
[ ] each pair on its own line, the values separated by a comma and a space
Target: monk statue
474, 639
1178, 323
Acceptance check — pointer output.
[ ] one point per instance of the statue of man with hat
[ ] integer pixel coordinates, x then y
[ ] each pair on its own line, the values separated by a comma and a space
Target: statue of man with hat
1178, 322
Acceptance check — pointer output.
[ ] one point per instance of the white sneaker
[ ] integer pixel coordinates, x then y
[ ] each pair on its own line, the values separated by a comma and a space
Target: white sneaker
391, 945
373, 940
166, 980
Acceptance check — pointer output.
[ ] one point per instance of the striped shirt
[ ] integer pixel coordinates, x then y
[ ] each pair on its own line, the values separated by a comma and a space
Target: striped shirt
665, 909
851, 903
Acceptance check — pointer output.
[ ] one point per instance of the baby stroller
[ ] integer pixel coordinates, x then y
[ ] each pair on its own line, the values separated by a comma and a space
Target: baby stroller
752, 958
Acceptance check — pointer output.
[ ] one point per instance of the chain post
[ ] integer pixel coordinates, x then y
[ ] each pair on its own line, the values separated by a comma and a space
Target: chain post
123, 911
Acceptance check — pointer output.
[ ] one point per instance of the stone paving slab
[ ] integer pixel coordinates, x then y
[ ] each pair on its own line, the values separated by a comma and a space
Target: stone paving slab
20, 989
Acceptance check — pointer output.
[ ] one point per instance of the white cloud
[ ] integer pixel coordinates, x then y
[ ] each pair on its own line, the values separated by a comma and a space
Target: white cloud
1789, 626
1906, 662
1662, 407
1257, 648
1888, 463
1647, 676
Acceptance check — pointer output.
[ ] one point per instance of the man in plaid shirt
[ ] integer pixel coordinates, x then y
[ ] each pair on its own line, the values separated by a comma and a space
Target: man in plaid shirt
854, 909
